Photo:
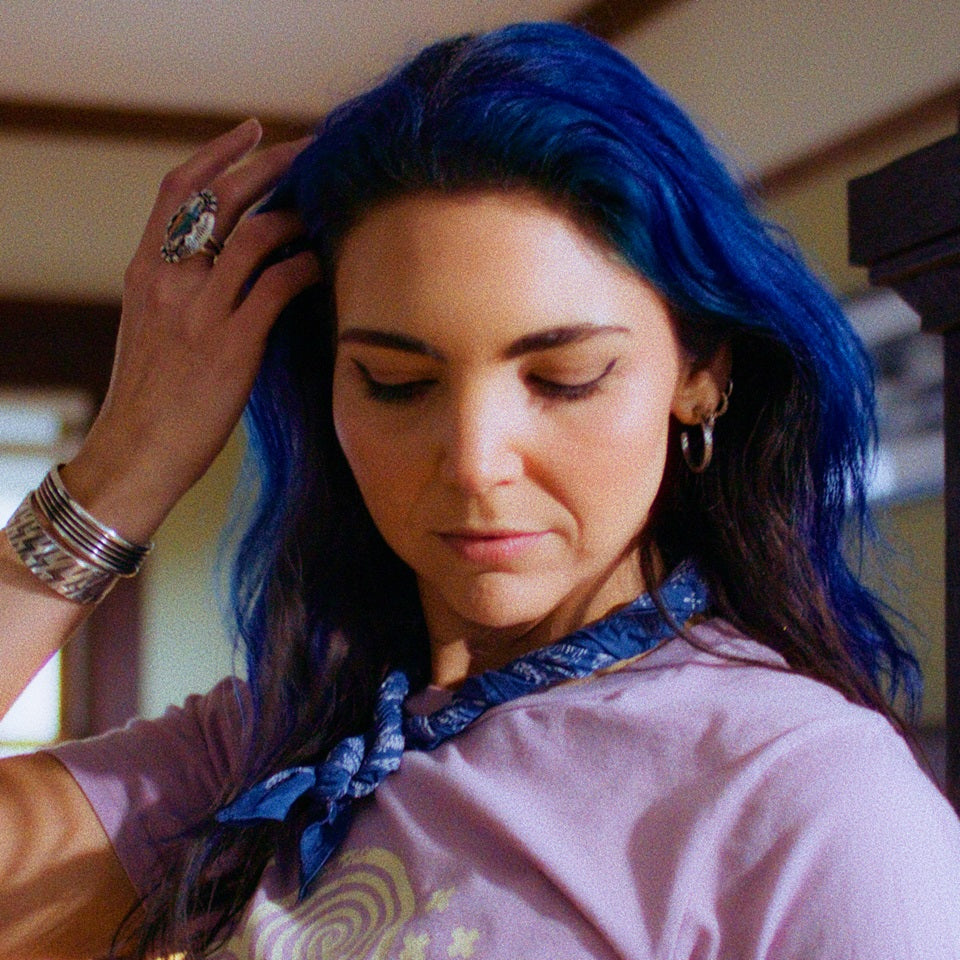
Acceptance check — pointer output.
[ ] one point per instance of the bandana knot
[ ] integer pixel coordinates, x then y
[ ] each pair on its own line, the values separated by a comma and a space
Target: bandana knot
357, 765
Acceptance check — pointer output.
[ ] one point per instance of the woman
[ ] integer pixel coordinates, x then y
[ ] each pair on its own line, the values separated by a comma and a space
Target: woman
554, 448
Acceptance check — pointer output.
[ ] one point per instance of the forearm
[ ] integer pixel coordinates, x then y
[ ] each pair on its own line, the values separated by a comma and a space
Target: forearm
191, 339
35, 622
58, 558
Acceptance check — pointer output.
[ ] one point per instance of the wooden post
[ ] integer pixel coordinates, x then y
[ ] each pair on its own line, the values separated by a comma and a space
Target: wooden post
905, 226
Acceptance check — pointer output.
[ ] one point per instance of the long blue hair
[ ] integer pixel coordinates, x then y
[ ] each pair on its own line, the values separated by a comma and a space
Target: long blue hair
322, 605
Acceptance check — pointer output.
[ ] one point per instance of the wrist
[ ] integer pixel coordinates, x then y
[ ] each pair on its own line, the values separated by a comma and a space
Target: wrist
67, 548
121, 497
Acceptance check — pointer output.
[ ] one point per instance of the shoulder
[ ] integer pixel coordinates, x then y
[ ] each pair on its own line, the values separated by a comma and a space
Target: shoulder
820, 816
152, 779
762, 804
205, 730
720, 716
739, 693
723, 689
727, 710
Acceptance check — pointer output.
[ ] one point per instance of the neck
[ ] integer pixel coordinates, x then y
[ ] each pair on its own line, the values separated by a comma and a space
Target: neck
460, 648
470, 648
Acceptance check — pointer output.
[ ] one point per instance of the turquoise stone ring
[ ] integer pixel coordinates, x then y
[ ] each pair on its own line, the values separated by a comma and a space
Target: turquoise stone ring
190, 229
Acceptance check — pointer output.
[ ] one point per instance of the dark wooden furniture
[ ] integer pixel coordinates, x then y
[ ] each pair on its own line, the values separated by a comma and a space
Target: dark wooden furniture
905, 226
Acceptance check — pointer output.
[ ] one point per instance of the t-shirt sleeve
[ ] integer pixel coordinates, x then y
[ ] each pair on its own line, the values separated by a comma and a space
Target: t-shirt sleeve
849, 852
153, 779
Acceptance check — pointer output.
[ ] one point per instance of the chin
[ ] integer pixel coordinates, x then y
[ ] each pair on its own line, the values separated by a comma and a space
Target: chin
501, 601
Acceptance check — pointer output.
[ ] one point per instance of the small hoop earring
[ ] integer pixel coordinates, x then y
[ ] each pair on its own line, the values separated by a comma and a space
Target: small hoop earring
706, 442
706, 451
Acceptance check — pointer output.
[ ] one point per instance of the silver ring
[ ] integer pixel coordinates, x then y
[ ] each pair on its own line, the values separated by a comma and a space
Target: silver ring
190, 229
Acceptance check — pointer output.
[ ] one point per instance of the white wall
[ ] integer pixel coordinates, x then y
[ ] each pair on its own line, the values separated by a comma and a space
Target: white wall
187, 645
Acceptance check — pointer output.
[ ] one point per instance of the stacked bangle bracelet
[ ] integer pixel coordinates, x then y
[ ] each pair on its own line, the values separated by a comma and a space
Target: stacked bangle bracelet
67, 548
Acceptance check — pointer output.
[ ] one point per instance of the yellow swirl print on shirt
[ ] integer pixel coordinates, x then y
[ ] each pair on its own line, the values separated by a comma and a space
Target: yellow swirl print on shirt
357, 911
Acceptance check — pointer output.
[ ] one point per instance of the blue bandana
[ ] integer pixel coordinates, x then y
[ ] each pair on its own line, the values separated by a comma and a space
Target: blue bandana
357, 765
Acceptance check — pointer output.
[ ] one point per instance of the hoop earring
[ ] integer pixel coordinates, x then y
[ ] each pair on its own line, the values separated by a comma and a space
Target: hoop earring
706, 452
706, 427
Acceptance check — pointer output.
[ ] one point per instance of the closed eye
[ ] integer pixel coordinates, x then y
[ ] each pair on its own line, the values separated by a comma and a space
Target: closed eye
392, 392
569, 391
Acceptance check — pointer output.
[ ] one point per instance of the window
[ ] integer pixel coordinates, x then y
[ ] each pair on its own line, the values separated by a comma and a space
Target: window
38, 428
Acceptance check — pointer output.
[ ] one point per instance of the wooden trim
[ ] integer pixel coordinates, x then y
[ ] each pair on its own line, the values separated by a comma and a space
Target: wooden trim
608, 19
613, 19
123, 123
951, 430
101, 666
113, 658
51, 344
846, 149
903, 210
905, 226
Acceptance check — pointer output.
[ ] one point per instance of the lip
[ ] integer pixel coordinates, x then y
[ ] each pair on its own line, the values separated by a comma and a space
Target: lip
491, 546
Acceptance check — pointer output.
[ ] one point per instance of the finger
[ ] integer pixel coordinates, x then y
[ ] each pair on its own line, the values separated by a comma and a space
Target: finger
240, 188
274, 289
254, 241
196, 173
217, 155
244, 185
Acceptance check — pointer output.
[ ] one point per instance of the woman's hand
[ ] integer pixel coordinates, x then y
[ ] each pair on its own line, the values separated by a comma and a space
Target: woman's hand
190, 343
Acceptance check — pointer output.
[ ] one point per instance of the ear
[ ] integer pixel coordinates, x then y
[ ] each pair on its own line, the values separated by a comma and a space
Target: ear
701, 385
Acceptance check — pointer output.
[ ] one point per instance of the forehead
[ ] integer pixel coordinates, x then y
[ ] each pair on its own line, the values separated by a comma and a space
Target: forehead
502, 262
415, 225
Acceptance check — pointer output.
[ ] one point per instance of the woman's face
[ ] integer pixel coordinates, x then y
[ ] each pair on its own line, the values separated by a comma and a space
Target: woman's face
502, 391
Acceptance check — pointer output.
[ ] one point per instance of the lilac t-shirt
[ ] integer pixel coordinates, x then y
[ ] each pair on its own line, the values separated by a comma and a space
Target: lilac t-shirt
684, 806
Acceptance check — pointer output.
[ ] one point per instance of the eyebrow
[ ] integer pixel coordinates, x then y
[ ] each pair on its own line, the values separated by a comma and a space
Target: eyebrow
548, 339
392, 341
559, 337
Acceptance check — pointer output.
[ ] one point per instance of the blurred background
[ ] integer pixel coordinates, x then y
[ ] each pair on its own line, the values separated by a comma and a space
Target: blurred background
98, 98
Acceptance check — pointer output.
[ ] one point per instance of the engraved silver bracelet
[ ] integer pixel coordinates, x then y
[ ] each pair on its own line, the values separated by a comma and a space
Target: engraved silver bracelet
67, 548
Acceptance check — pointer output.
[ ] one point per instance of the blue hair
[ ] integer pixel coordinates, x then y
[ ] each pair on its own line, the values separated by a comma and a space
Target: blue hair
548, 107
323, 607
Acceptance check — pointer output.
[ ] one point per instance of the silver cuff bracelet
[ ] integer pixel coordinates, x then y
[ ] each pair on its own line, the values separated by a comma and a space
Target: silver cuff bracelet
67, 548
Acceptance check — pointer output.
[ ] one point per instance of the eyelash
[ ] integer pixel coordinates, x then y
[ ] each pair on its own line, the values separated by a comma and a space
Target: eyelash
571, 391
414, 389
394, 392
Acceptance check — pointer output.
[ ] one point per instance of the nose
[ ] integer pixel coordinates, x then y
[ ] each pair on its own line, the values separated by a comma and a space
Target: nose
482, 438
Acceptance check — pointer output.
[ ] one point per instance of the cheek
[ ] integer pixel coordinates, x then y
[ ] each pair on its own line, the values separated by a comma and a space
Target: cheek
615, 468
355, 436
381, 464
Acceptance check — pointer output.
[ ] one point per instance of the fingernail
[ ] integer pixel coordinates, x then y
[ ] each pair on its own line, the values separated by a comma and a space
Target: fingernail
248, 126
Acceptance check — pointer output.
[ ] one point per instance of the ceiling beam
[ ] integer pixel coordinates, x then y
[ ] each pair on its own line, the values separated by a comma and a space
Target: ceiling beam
127, 123
613, 19
609, 19
847, 148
